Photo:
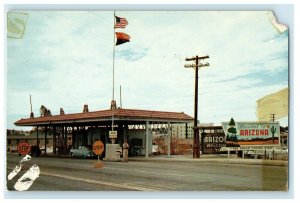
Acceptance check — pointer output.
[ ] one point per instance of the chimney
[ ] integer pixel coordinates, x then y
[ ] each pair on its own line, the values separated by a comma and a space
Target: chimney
113, 104
85, 108
62, 112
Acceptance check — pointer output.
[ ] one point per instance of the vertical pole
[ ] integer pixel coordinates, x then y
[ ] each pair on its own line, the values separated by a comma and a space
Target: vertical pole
37, 136
45, 140
30, 105
196, 150
113, 90
66, 140
186, 130
120, 96
77, 136
169, 140
31, 113
54, 140
73, 136
147, 136
265, 154
92, 137
113, 96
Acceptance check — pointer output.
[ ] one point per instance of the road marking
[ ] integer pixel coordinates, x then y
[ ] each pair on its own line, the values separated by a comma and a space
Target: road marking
28, 178
155, 186
119, 185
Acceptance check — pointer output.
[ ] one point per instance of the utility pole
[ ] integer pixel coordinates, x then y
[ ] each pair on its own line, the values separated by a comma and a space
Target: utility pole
272, 117
196, 145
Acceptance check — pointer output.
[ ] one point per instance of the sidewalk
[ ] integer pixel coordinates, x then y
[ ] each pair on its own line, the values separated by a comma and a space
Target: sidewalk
209, 158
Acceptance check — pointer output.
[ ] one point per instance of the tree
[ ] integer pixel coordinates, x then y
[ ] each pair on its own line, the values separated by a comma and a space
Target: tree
231, 122
232, 130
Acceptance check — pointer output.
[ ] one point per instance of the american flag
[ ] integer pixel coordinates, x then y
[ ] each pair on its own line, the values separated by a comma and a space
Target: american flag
121, 22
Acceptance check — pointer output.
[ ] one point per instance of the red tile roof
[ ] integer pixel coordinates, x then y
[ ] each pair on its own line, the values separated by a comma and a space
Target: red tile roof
130, 114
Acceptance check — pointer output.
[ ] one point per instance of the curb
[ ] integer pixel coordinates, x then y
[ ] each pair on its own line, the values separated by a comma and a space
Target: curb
218, 160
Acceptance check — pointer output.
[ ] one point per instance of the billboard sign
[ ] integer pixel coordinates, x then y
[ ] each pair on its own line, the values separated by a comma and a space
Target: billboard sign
251, 133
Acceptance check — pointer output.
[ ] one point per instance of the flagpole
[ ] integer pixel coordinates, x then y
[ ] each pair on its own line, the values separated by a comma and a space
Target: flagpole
113, 96
113, 91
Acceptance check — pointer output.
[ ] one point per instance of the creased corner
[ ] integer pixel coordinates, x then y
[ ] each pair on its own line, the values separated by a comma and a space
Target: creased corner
16, 24
280, 28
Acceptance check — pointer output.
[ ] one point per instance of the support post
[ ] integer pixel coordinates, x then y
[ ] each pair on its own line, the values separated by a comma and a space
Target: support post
54, 140
147, 136
66, 140
77, 137
169, 140
37, 136
73, 136
45, 140
186, 131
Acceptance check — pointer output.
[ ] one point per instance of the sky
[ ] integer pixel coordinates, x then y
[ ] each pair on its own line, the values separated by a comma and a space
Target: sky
65, 60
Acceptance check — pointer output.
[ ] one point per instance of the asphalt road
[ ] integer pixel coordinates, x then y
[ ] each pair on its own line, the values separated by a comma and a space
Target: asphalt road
69, 174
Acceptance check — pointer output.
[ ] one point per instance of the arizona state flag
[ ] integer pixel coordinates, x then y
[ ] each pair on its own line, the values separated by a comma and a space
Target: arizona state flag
122, 38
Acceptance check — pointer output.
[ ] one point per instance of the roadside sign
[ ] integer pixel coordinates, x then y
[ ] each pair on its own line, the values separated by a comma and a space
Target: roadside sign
24, 148
252, 133
98, 148
213, 142
113, 134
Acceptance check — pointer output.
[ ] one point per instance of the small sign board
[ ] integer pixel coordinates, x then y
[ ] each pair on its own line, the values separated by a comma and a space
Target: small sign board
98, 148
24, 148
113, 134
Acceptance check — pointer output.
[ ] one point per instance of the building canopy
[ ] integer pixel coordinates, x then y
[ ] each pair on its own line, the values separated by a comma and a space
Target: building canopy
132, 116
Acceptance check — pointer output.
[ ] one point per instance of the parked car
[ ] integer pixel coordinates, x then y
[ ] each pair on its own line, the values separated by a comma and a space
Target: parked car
35, 151
82, 151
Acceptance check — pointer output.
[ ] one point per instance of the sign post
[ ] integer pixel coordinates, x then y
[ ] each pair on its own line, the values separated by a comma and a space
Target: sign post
98, 148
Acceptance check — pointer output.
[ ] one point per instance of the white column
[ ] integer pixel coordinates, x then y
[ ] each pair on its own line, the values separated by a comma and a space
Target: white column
147, 137
169, 140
